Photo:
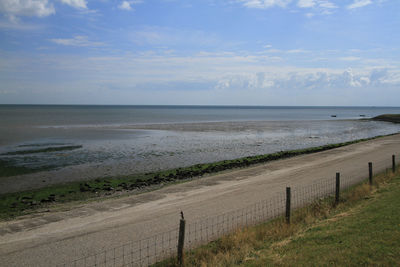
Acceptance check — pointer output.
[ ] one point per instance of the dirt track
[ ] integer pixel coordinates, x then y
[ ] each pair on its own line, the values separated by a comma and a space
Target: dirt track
52, 238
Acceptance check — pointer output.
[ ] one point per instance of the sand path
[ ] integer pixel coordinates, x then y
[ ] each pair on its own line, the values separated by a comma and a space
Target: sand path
52, 238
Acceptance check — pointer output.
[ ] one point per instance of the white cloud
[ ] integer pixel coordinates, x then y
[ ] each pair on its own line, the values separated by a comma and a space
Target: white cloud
36, 8
80, 4
306, 3
265, 3
317, 80
125, 5
351, 58
19, 26
165, 37
324, 7
297, 51
228, 78
359, 3
77, 41
326, 4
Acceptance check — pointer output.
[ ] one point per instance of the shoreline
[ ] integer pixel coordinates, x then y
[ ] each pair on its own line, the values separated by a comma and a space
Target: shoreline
30, 201
75, 230
394, 118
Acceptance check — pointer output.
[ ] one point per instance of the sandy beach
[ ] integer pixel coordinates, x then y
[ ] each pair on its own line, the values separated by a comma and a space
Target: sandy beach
56, 237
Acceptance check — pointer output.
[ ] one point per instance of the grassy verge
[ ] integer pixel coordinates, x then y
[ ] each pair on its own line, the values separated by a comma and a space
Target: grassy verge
362, 230
20, 203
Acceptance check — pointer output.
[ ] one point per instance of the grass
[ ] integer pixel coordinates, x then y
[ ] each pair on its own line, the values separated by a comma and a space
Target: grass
21, 203
364, 229
43, 150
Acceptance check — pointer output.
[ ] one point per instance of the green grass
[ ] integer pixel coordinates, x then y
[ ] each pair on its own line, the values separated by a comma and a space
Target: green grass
364, 229
43, 150
20, 203
367, 234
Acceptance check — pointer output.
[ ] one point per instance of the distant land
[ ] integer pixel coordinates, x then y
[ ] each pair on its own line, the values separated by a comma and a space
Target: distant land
395, 118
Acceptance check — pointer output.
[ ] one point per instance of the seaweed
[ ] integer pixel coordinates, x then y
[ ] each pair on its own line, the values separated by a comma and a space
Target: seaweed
43, 150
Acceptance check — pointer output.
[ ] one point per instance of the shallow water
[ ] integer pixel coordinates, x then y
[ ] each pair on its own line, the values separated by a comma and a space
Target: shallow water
171, 137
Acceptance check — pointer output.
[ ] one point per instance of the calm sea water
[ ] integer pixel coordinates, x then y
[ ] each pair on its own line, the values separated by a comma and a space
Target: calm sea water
49, 115
119, 140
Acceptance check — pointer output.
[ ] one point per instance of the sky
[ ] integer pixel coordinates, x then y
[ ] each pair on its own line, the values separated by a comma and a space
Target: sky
200, 52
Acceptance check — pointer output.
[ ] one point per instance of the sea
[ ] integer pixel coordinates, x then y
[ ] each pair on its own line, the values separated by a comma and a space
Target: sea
122, 140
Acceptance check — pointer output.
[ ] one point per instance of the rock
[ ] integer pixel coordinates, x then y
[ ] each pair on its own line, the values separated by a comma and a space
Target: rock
108, 188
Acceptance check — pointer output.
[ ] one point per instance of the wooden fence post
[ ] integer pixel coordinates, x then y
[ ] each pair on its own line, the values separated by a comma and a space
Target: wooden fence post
181, 240
337, 195
288, 197
370, 172
393, 163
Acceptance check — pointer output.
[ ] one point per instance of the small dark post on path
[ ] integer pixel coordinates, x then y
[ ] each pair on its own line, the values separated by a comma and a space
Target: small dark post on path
393, 163
288, 197
337, 195
181, 239
370, 172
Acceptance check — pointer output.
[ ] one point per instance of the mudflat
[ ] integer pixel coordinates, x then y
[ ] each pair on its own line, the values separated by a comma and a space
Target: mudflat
55, 237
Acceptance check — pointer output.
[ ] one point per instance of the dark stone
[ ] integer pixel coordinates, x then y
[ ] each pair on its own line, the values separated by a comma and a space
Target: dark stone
108, 188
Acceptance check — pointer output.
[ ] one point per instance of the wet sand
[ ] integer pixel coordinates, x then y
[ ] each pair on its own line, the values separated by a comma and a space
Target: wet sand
117, 150
56, 237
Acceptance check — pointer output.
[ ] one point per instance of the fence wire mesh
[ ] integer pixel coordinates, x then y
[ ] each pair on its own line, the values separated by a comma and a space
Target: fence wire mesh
148, 251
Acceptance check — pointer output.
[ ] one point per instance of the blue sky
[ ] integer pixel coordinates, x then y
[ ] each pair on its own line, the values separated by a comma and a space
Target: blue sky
207, 52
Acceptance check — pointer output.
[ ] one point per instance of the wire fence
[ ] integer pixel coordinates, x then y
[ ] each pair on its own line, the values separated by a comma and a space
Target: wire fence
148, 251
